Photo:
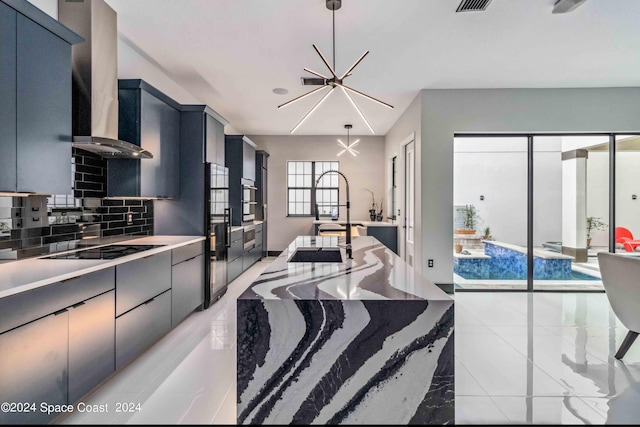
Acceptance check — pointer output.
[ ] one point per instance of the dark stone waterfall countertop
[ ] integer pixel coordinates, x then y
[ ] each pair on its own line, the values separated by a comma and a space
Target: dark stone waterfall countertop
375, 272
365, 341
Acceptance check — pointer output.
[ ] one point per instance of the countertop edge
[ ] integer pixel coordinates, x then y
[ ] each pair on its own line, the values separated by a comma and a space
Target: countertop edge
106, 264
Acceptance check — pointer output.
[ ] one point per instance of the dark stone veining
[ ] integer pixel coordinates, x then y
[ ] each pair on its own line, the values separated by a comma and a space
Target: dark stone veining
363, 329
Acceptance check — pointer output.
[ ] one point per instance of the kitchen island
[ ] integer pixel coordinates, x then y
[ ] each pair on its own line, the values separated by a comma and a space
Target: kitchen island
364, 341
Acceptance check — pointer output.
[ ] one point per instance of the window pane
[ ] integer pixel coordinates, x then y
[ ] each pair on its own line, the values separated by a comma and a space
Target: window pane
307, 168
306, 209
307, 196
307, 181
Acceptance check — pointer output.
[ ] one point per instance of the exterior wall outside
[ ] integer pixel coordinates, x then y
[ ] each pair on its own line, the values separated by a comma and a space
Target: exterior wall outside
364, 171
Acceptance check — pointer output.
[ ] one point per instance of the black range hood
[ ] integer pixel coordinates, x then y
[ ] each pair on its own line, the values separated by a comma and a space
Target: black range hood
95, 80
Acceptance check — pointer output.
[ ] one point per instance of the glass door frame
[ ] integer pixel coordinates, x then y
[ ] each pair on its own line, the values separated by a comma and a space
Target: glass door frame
530, 169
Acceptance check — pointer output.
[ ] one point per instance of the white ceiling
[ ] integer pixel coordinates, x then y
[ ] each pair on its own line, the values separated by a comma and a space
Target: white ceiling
230, 54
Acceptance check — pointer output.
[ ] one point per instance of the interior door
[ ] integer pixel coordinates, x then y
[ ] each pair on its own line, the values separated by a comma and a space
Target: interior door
409, 202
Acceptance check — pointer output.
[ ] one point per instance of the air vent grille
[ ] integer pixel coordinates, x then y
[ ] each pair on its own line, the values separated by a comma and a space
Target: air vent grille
473, 5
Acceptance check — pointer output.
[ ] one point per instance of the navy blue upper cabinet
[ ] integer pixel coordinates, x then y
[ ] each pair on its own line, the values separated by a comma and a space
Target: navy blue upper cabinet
150, 119
8, 176
207, 126
35, 100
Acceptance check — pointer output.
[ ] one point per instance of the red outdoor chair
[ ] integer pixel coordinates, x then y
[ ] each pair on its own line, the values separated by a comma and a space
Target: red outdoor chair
625, 238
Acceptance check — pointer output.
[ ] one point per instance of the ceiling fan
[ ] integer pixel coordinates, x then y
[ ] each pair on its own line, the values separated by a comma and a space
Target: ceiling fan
334, 81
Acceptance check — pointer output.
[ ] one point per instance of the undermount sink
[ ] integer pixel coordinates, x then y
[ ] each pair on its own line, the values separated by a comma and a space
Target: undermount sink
316, 255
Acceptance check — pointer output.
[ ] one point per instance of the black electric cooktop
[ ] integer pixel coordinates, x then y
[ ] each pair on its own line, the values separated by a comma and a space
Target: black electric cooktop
105, 252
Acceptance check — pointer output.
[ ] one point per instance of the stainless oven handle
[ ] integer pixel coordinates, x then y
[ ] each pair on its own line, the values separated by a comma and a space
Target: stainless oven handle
250, 187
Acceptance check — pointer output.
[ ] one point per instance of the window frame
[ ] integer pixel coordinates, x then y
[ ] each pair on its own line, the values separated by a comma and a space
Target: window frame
313, 189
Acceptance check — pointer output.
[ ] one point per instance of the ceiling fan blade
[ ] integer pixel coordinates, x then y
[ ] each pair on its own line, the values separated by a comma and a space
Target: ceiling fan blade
342, 152
357, 109
313, 108
366, 96
354, 65
301, 96
325, 61
314, 73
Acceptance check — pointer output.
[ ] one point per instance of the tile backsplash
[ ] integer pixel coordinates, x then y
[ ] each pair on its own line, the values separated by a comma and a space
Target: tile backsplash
36, 225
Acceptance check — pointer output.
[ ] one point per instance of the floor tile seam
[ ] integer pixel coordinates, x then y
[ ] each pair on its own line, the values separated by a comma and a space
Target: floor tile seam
221, 403
474, 378
591, 408
608, 361
535, 365
541, 368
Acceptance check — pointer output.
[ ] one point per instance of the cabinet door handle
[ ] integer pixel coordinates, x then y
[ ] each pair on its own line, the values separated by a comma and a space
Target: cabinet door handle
149, 301
64, 310
189, 259
80, 304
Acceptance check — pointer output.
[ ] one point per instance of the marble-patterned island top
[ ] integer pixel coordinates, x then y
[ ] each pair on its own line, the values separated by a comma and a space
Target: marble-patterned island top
373, 273
363, 341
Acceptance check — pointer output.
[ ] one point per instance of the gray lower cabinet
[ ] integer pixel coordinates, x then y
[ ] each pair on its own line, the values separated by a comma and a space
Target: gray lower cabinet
139, 328
234, 269
140, 280
33, 367
248, 259
91, 343
187, 288
257, 253
388, 236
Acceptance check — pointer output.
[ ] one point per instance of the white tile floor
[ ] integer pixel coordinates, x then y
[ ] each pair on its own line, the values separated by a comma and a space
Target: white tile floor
520, 358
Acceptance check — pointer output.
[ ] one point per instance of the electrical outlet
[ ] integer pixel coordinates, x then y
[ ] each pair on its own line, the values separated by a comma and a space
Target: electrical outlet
129, 218
430, 263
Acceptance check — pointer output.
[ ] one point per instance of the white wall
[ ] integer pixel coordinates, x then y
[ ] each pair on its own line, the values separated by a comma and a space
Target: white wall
449, 111
133, 63
496, 168
50, 7
364, 171
627, 184
598, 194
408, 124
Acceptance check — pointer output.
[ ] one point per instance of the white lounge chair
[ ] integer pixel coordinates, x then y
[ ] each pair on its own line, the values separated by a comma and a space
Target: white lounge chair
621, 279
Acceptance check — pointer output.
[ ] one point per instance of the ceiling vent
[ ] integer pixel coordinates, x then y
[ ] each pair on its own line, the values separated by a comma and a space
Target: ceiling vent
473, 5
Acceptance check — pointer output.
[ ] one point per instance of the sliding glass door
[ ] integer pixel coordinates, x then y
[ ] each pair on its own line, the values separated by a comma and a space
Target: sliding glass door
490, 213
531, 212
570, 211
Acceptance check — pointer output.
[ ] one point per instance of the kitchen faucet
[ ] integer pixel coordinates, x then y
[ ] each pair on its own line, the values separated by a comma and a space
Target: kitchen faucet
348, 208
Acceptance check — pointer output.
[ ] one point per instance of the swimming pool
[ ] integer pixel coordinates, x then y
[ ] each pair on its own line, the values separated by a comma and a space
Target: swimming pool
507, 275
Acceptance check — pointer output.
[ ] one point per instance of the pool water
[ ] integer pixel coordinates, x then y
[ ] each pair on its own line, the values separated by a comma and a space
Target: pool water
512, 276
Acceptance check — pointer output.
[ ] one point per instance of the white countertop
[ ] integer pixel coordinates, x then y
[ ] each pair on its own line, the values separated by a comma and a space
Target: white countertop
374, 273
356, 222
24, 275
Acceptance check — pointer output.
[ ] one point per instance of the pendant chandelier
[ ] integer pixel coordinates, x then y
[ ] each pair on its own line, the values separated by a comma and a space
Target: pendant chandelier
335, 81
348, 147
